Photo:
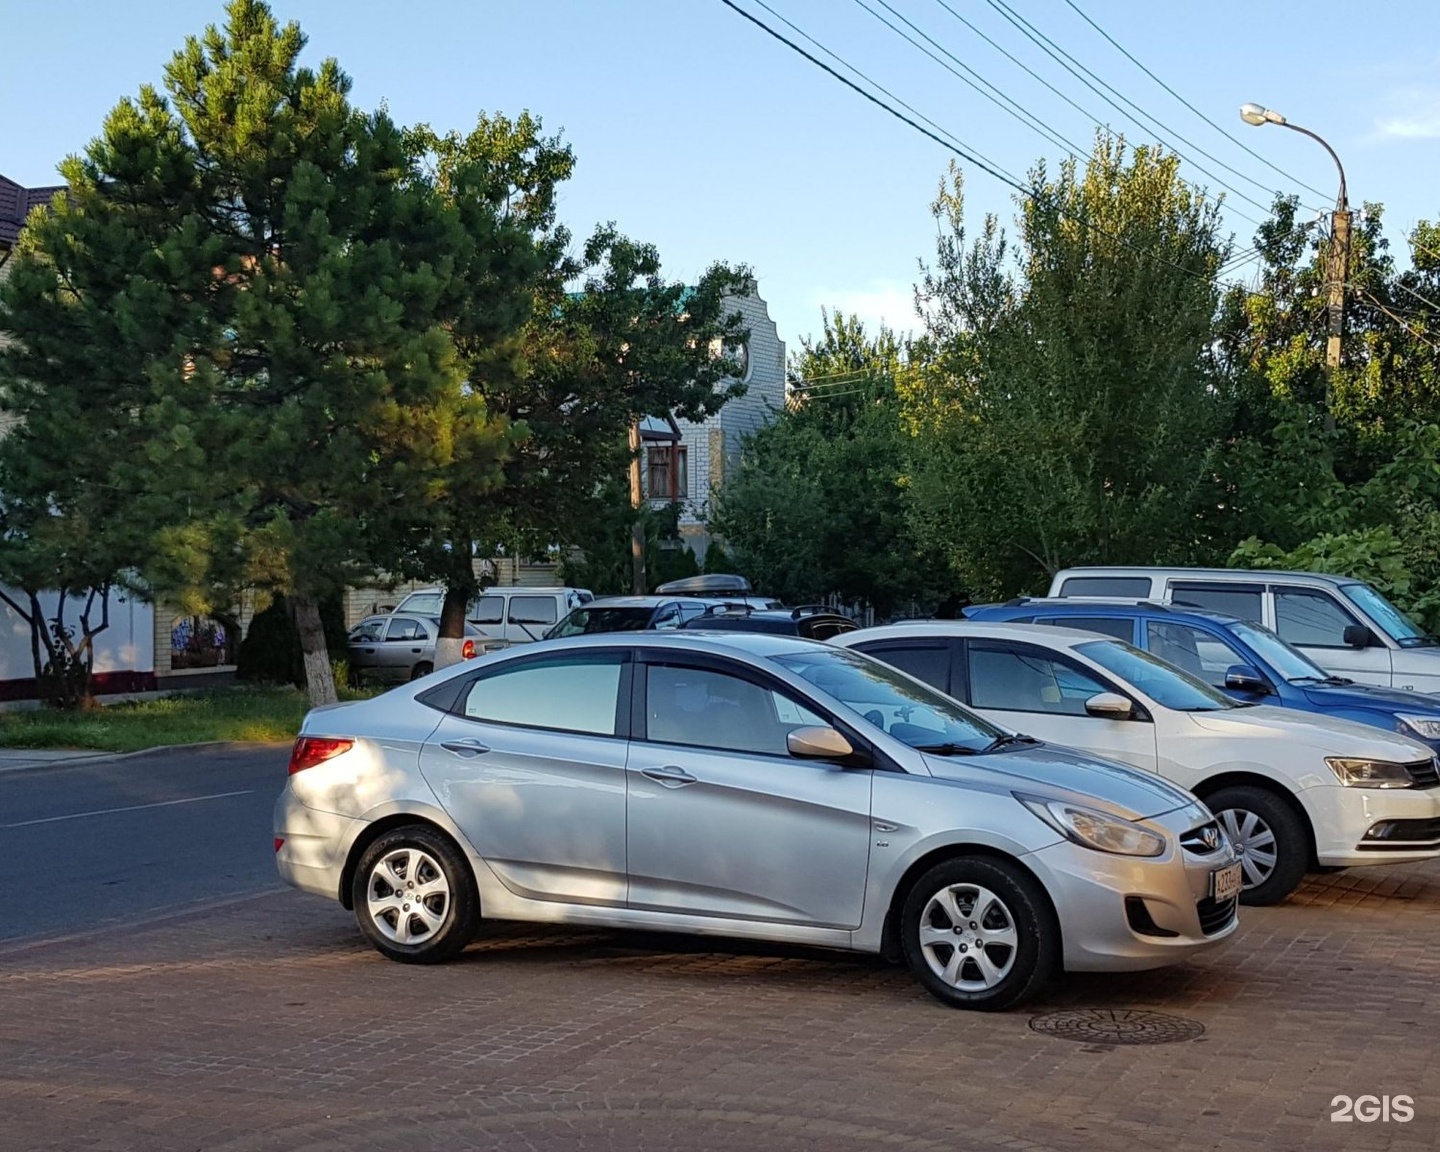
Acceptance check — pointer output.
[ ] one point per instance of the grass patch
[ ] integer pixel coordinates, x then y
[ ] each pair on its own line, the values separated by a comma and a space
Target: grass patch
244, 713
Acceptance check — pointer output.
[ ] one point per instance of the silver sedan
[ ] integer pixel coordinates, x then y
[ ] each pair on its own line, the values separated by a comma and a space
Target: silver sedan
744, 785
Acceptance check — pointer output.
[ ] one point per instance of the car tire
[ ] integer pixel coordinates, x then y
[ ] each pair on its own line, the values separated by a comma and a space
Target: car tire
424, 668
424, 927
1007, 958
1270, 837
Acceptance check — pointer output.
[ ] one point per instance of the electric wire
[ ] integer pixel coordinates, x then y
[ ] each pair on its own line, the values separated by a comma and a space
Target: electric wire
1398, 319
1223, 131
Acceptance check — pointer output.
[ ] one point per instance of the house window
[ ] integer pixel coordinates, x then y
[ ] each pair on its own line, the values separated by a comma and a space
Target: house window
669, 478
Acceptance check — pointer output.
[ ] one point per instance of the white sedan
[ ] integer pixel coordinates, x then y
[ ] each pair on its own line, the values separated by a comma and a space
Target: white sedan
1293, 790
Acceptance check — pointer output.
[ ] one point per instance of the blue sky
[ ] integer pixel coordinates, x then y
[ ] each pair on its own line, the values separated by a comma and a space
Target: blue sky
696, 131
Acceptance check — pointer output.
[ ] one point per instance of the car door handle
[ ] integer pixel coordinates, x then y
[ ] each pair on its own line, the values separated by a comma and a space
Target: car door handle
670, 776
416, 650
465, 748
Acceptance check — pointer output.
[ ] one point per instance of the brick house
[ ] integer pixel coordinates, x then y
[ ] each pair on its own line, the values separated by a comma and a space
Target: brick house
689, 461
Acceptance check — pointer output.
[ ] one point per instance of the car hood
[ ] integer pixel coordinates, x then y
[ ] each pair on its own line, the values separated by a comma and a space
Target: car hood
1061, 774
1326, 734
1370, 697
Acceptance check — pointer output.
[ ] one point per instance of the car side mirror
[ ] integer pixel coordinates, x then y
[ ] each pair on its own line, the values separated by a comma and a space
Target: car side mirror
818, 743
1243, 678
1110, 706
1357, 636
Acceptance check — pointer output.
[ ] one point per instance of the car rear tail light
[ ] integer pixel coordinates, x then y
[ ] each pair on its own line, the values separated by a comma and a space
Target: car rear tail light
279, 843
312, 750
467, 650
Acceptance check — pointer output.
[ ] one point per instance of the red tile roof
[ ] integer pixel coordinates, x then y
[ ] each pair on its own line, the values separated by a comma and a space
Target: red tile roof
15, 205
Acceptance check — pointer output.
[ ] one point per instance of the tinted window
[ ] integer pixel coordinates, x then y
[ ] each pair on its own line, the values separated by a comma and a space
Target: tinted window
598, 618
488, 610
1122, 628
1242, 600
401, 629
825, 629
706, 709
1028, 680
574, 694
367, 632
1163, 683
927, 662
1125, 586
1310, 618
667, 617
532, 609
1192, 650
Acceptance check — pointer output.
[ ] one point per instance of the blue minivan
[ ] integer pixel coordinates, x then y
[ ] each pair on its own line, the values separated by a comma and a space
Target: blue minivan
1242, 659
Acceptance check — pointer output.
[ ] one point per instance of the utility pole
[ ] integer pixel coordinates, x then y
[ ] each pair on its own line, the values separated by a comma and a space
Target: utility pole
1337, 271
637, 524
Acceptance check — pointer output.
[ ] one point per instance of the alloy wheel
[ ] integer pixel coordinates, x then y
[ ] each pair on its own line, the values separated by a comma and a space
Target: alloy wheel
968, 937
408, 896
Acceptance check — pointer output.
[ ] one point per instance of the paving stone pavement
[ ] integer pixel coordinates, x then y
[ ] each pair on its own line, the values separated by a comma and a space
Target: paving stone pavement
266, 1024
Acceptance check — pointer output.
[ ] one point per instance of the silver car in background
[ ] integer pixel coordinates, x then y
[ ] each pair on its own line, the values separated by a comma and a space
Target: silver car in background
400, 646
745, 785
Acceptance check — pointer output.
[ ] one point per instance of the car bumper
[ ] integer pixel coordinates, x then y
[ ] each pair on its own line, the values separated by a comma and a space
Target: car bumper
1357, 826
313, 845
1125, 913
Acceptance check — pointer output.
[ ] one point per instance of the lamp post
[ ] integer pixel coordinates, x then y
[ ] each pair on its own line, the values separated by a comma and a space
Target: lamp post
1338, 264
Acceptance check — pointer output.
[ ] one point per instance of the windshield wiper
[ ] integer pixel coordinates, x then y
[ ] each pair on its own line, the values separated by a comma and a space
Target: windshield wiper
948, 748
1326, 681
1009, 740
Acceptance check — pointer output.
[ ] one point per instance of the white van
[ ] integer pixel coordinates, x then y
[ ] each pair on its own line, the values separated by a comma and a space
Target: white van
513, 614
1344, 625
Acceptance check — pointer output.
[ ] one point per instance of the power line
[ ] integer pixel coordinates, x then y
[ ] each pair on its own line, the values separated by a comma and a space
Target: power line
1423, 299
985, 166
1065, 60
1223, 131
1399, 320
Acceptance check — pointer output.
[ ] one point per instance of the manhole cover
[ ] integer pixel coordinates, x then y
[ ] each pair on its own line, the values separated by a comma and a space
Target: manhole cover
1117, 1026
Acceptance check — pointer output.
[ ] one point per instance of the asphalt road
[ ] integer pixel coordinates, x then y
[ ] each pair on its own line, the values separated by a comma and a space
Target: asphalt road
93, 844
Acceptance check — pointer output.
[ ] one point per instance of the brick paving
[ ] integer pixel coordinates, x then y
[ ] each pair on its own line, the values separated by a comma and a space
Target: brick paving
266, 1024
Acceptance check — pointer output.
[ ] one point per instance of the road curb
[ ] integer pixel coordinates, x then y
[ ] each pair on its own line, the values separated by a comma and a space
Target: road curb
115, 757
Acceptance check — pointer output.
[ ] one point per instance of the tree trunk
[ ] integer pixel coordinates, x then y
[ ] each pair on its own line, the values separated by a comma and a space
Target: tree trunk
319, 676
452, 626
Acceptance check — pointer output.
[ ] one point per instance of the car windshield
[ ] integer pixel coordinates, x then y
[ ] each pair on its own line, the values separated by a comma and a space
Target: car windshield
423, 603
1392, 621
1162, 682
1290, 663
598, 618
906, 709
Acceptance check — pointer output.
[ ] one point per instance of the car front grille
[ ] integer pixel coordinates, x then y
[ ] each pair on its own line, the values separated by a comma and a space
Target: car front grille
1195, 840
1215, 915
1425, 773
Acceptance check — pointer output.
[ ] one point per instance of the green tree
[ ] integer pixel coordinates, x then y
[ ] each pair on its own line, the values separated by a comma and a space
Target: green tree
1065, 408
819, 504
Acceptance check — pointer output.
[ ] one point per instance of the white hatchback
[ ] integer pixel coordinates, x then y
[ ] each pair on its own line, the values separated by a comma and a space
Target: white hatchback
1293, 790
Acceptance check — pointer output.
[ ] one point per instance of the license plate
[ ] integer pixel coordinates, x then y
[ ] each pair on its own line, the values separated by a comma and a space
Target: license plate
1225, 883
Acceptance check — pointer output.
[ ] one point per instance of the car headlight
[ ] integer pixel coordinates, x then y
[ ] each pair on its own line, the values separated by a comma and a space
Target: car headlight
1369, 773
1426, 727
1095, 830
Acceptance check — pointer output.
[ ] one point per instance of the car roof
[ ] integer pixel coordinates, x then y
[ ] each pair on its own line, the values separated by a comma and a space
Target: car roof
625, 602
1043, 634
763, 644
1094, 606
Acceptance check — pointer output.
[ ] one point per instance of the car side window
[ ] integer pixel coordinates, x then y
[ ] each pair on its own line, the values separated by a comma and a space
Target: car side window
525, 696
690, 611
1192, 650
826, 629
402, 629
668, 617
1029, 680
1243, 600
532, 610
1105, 586
367, 632
1310, 618
489, 610
702, 708
1120, 627
928, 662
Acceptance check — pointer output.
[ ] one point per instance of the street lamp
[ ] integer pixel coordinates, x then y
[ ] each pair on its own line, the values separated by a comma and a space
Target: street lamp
1339, 255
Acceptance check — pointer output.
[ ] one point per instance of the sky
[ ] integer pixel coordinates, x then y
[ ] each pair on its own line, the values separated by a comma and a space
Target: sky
696, 131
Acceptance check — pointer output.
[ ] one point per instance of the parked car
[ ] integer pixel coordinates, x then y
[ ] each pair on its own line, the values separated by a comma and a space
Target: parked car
401, 646
720, 586
513, 614
1292, 790
629, 614
812, 621
1345, 626
746, 785
1244, 660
